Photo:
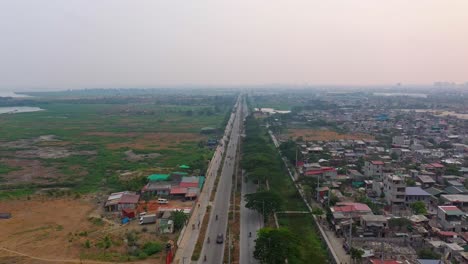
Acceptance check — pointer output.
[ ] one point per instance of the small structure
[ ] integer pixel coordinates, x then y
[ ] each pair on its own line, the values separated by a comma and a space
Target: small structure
165, 226
191, 181
374, 224
158, 177
157, 188
122, 200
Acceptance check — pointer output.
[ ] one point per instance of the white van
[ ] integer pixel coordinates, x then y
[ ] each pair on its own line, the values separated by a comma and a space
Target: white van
162, 201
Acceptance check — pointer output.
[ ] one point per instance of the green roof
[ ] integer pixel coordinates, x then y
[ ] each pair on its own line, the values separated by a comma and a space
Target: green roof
158, 177
180, 173
184, 166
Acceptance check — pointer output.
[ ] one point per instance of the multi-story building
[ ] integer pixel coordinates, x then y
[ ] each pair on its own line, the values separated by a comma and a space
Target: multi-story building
394, 188
450, 218
373, 168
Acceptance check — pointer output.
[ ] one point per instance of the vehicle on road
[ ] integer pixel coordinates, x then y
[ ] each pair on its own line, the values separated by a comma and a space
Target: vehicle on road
162, 201
220, 238
148, 219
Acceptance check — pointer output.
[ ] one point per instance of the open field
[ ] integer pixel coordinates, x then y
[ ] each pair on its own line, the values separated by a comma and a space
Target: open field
324, 135
58, 229
85, 144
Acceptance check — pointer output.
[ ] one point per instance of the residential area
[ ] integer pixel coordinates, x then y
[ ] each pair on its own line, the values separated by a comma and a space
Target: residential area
391, 181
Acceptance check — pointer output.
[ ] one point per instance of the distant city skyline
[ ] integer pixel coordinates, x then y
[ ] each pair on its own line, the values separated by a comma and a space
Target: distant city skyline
77, 44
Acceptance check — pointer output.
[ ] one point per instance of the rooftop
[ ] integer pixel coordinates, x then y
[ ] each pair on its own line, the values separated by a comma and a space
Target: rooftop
416, 191
460, 198
451, 210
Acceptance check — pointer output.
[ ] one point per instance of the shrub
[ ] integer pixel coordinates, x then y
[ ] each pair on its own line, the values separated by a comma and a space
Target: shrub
152, 248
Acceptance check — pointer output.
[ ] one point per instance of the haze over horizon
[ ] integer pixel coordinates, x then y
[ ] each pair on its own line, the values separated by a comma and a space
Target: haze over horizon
50, 45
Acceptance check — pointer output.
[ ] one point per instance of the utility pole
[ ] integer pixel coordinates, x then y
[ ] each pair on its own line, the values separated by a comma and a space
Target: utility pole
318, 186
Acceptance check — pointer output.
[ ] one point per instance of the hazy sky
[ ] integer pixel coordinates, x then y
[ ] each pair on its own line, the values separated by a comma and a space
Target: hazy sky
112, 43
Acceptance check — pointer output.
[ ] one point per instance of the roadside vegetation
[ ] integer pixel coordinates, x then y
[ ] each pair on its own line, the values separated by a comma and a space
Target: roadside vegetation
297, 233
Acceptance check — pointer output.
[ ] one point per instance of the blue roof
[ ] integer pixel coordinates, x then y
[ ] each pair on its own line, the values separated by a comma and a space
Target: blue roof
416, 191
429, 261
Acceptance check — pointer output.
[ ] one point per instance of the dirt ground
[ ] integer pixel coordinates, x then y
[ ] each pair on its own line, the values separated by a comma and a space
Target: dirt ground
324, 135
48, 231
156, 141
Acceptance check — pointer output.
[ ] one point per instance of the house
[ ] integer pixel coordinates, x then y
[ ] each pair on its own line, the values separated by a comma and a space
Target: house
122, 200
429, 261
321, 172
450, 218
190, 182
426, 181
459, 200
379, 261
373, 168
394, 189
157, 188
415, 194
346, 210
374, 224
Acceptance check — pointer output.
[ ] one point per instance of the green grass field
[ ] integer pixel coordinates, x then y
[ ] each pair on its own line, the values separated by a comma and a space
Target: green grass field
108, 130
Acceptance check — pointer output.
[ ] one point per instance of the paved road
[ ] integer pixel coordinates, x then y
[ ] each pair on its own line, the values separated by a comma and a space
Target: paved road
250, 221
213, 251
189, 235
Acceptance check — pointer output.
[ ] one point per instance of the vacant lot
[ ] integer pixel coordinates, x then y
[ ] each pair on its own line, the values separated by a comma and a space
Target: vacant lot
85, 146
324, 135
58, 229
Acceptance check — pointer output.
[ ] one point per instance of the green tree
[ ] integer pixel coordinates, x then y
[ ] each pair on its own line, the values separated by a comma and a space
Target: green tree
427, 253
275, 245
410, 182
419, 207
317, 211
394, 156
264, 202
356, 254
179, 218
398, 222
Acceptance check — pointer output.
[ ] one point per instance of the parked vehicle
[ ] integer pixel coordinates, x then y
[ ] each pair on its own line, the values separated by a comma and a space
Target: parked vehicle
219, 238
162, 201
148, 219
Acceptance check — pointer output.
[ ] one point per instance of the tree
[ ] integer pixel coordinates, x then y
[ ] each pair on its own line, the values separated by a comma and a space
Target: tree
419, 207
275, 245
356, 254
317, 211
427, 253
410, 182
398, 222
179, 218
264, 202
394, 156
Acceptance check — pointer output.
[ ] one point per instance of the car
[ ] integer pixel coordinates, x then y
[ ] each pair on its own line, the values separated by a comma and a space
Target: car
219, 238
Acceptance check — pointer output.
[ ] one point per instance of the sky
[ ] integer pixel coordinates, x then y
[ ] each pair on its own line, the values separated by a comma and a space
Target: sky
136, 43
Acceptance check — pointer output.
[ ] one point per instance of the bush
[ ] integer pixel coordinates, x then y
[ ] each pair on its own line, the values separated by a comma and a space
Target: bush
142, 255
152, 248
87, 244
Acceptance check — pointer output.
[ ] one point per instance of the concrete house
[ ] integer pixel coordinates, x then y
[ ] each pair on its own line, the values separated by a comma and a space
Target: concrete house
450, 218
394, 189
415, 194
122, 200
373, 168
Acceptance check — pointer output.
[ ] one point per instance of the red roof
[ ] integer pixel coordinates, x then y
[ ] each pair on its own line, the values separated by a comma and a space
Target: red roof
436, 165
377, 162
449, 208
351, 207
178, 190
319, 171
188, 184
129, 199
300, 163
447, 233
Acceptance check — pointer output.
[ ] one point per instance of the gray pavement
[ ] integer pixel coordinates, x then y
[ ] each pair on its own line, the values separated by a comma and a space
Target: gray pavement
250, 222
189, 235
213, 251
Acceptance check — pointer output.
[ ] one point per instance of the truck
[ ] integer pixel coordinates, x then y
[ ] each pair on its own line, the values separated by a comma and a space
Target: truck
148, 219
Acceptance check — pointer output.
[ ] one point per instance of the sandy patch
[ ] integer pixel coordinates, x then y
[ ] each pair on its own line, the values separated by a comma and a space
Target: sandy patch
324, 135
